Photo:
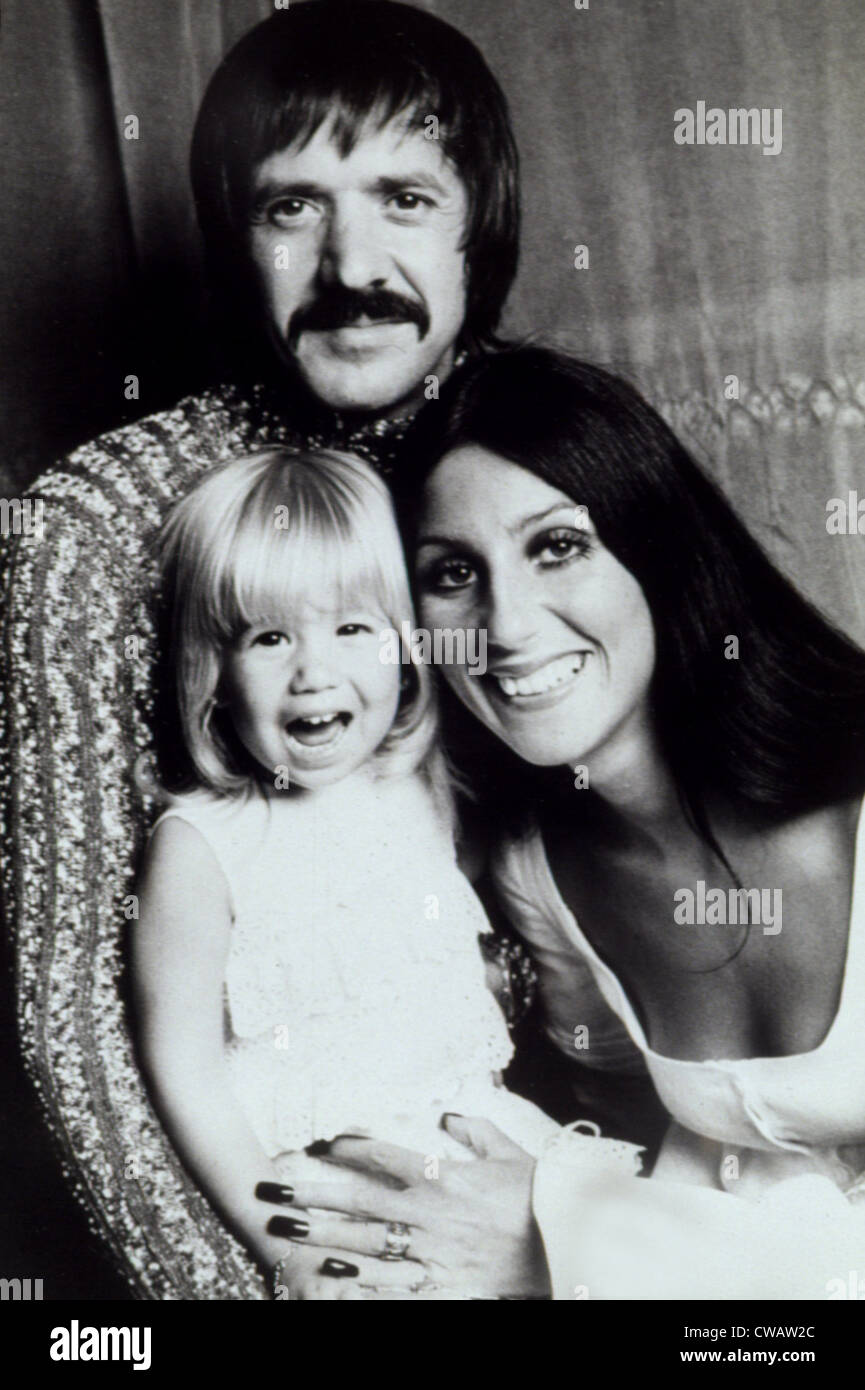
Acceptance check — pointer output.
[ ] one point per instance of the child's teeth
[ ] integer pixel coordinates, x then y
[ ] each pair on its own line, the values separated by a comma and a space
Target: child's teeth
317, 730
546, 679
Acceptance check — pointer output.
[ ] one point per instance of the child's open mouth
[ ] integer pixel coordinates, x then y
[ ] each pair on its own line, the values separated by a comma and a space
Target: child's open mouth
318, 730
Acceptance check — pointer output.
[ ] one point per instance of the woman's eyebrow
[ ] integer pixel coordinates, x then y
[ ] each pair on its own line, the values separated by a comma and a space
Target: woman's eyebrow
516, 529
448, 542
527, 521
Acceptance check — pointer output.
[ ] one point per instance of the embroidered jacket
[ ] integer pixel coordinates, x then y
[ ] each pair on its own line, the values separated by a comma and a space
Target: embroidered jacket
76, 715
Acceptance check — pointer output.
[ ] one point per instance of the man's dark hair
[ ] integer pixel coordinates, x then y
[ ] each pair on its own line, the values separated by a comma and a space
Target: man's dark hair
356, 61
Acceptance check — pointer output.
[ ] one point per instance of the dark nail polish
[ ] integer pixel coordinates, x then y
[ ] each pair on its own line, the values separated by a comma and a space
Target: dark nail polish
289, 1226
339, 1269
276, 1192
318, 1148
449, 1115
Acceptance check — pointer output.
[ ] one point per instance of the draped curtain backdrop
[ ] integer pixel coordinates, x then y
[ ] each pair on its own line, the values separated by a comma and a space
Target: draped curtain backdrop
705, 262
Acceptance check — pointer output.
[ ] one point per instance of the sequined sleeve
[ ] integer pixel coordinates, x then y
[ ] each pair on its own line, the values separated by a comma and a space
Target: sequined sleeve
74, 707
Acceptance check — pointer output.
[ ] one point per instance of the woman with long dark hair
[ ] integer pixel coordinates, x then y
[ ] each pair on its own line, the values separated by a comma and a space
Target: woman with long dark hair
671, 741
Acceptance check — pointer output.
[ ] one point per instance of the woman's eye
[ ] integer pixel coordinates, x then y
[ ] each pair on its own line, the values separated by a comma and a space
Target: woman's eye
352, 629
557, 547
449, 574
271, 638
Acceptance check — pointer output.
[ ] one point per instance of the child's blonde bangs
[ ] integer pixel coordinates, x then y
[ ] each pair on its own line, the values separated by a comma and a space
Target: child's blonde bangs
296, 546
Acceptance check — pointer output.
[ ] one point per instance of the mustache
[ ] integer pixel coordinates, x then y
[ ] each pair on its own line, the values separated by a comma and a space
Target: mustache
340, 307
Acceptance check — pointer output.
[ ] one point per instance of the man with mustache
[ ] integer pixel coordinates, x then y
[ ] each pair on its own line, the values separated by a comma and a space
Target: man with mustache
355, 177
356, 182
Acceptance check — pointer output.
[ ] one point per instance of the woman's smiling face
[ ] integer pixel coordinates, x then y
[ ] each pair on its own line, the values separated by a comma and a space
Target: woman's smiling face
570, 640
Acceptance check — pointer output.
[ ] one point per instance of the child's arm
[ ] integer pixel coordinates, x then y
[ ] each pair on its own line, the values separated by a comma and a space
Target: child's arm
179, 953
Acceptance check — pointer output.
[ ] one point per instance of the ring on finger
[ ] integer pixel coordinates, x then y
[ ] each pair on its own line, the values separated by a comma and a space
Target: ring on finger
396, 1241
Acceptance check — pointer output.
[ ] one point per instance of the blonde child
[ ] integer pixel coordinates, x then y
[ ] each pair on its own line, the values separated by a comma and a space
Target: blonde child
307, 957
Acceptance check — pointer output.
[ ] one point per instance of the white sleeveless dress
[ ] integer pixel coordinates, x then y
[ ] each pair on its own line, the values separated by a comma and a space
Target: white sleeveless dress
786, 1134
355, 991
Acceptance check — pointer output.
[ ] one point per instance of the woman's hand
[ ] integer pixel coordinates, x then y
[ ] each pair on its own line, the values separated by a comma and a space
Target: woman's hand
470, 1225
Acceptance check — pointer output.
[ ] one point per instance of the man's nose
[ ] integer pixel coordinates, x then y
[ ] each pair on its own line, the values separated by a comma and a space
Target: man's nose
353, 254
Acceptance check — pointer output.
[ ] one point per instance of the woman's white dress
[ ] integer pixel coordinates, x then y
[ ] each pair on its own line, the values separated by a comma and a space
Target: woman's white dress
759, 1189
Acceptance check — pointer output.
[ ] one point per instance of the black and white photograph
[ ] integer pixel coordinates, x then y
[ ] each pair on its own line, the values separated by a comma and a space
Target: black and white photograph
432, 660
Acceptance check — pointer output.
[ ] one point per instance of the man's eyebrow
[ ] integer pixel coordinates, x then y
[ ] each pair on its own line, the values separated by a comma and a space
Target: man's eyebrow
269, 189
420, 178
